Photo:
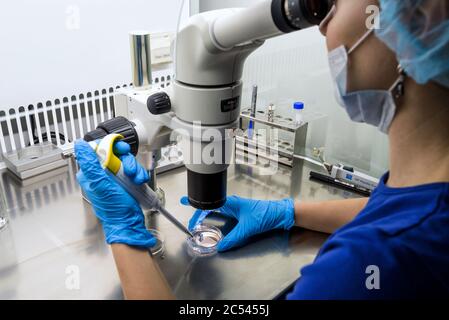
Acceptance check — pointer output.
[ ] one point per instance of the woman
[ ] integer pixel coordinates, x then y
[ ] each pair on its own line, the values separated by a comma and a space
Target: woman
396, 78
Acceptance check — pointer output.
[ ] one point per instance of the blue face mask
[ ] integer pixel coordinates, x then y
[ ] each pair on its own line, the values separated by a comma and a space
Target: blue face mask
374, 107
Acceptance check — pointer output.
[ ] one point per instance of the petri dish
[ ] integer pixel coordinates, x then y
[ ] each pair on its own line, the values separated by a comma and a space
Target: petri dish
205, 240
159, 248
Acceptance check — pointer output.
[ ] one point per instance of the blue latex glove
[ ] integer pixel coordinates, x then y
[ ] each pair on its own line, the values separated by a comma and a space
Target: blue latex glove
254, 217
121, 217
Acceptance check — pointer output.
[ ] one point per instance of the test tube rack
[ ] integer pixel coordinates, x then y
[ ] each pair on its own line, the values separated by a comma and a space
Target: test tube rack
283, 149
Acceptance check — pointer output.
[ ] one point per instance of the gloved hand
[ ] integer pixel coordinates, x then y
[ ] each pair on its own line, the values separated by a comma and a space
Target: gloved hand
254, 217
121, 217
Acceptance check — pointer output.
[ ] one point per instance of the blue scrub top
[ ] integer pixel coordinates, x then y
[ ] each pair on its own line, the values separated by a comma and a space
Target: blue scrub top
396, 248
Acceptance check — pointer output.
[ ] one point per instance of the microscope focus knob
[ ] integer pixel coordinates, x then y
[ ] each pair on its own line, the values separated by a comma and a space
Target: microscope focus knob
119, 125
159, 103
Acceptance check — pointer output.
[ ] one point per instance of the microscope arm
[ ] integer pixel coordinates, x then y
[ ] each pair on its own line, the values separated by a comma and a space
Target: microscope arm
244, 25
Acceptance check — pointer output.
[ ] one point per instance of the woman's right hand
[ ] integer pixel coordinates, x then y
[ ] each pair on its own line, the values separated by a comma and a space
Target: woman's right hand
121, 216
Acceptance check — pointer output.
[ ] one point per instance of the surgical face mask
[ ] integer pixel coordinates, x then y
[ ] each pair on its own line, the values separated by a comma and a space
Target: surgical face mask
374, 107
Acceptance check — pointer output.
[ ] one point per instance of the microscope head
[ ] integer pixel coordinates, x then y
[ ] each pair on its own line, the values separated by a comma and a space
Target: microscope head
211, 49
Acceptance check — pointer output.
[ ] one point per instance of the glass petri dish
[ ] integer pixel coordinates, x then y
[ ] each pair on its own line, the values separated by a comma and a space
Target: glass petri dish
159, 248
205, 240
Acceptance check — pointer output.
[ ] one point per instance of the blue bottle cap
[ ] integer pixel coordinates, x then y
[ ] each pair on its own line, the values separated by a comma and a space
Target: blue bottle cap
298, 106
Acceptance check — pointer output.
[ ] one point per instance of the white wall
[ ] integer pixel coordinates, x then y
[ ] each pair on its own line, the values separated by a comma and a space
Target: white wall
206, 5
55, 48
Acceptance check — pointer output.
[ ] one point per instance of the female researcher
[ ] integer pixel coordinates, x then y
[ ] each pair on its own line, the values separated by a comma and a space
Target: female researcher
396, 78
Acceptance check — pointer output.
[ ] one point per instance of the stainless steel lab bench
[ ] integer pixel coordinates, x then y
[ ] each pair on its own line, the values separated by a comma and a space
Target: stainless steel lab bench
53, 246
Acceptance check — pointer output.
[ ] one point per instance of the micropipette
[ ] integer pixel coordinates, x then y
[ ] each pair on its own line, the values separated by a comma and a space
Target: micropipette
143, 194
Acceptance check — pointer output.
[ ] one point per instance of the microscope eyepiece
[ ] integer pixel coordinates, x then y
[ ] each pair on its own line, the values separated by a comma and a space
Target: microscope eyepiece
293, 15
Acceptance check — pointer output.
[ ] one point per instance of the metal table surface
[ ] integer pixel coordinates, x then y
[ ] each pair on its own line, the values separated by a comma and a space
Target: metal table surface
53, 246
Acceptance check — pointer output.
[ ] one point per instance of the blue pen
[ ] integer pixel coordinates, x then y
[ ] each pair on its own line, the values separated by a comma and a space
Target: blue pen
253, 112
